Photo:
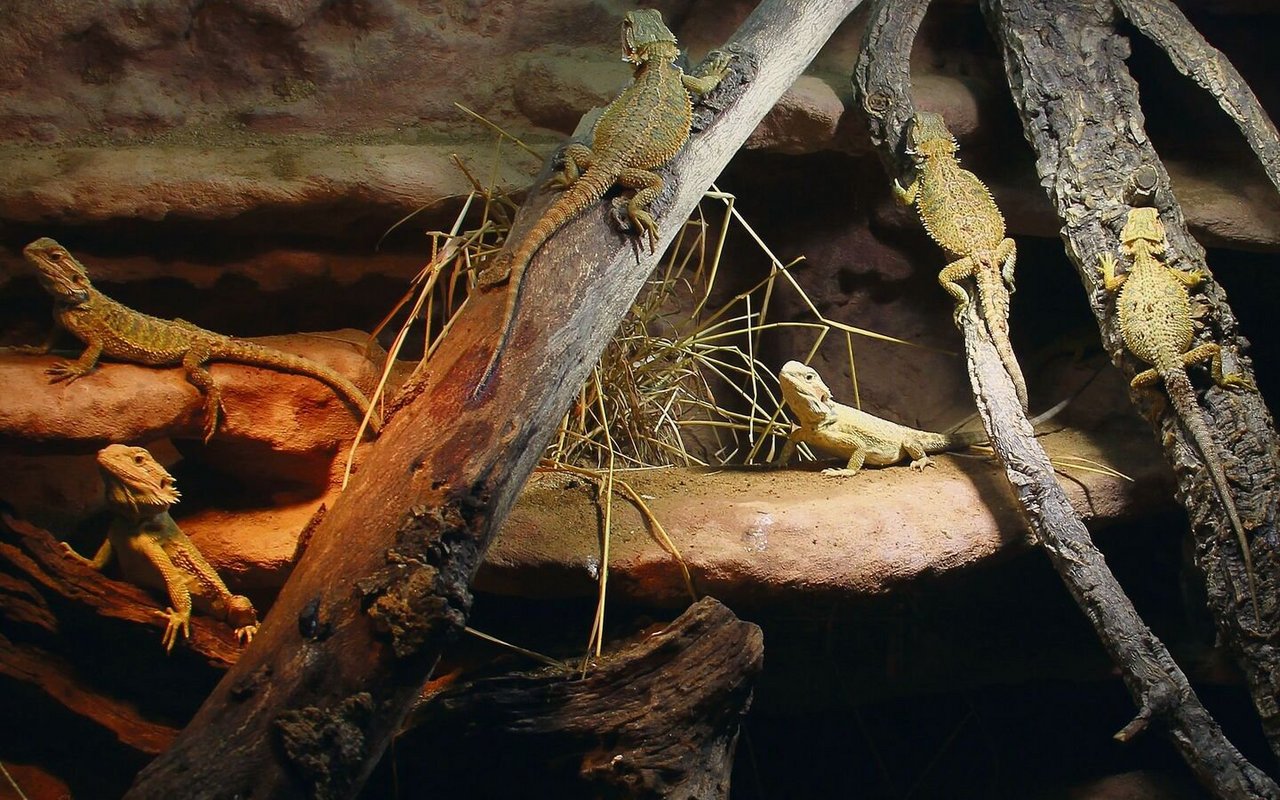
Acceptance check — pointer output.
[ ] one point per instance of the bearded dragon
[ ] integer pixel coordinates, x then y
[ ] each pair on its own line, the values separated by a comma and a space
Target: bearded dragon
109, 328
642, 129
862, 438
849, 433
959, 214
1154, 310
153, 551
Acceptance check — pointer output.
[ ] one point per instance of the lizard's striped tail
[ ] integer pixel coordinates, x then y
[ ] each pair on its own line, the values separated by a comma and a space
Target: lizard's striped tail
1178, 386
239, 351
585, 192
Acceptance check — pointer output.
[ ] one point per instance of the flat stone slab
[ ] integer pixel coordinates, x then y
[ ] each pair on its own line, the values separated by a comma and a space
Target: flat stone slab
752, 536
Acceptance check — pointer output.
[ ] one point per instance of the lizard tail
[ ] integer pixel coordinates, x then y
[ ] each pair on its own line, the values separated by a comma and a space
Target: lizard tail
995, 313
255, 355
1183, 396
945, 442
585, 192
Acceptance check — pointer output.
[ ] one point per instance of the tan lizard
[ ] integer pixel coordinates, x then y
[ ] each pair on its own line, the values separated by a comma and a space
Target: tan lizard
846, 432
959, 214
109, 328
153, 551
1154, 311
642, 129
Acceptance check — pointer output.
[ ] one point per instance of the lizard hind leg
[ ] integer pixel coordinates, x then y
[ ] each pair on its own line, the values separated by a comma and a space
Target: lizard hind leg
919, 457
1213, 354
194, 363
949, 279
578, 158
648, 186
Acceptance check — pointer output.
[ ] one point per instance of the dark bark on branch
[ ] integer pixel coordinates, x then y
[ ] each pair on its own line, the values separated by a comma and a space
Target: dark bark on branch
655, 719
1080, 111
382, 587
1164, 23
1158, 686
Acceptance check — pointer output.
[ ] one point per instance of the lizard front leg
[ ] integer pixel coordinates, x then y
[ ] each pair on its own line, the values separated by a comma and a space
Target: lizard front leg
178, 613
234, 609
906, 196
713, 72
788, 449
649, 186
99, 560
237, 611
1110, 280
856, 460
69, 371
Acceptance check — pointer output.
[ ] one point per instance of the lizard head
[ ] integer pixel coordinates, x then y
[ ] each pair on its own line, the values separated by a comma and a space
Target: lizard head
59, 272
928, 136
1143, 225
135, 481
804, 392
646, 38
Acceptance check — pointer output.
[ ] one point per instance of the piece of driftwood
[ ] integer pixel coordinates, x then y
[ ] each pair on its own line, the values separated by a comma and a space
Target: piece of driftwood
1158, 686
383, 585
655, 718
1080, 111
92, 644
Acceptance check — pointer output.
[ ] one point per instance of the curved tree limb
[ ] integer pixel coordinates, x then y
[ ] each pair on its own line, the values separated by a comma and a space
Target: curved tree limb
1164, 23
1079, 108
382, 587
1158, 686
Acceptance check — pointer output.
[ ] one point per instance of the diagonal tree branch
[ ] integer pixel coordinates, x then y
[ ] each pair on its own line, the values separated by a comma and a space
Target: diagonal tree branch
1158, 686
382, 587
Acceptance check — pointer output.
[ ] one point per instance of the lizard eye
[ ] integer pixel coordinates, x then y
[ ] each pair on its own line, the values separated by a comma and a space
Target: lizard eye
55, 255
138, 459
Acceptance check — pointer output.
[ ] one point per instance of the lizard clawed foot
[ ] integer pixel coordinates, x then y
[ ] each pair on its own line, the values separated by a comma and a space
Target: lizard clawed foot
210, 425
178, 623
646, 226
717, 63
839, 472
65, 372
920, 463
245, 634
1238, 381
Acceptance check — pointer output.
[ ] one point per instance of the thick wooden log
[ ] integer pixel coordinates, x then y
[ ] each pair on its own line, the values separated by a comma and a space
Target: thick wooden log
382, 587
1158, 686
1080, 111
656, 718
